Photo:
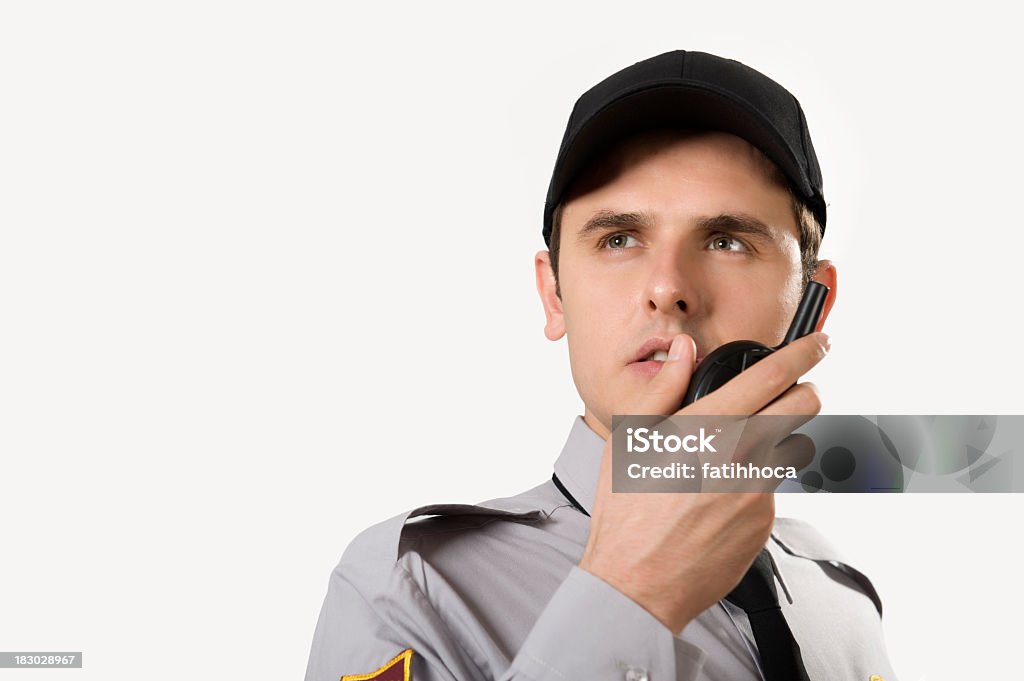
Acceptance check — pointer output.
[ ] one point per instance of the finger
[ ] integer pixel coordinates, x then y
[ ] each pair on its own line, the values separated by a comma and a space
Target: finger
797, 451
793, 409
762, 383
760, 435
666, 390
798, 405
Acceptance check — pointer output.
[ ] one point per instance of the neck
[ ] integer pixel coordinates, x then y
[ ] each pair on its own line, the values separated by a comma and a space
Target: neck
596, 425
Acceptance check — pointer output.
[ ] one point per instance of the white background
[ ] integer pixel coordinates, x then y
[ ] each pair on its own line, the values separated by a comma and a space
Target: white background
266, 276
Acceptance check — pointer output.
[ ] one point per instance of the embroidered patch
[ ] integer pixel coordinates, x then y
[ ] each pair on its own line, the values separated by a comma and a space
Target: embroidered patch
398, 668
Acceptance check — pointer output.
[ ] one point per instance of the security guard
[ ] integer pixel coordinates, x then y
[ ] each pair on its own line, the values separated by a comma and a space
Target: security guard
684, 211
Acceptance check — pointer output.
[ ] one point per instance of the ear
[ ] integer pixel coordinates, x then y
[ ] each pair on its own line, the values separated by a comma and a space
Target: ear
826, 274
554, 328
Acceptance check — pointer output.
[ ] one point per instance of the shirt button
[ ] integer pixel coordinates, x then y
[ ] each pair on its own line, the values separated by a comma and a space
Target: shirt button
635, 674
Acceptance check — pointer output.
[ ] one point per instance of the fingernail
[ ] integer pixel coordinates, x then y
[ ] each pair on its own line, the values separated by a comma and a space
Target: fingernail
675, 351
825, 341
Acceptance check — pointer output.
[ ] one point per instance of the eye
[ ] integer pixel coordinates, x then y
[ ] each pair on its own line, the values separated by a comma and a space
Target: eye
726, 243
619, 240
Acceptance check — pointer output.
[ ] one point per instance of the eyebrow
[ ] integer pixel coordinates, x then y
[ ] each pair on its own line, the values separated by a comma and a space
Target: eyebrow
607, 219
738, 223
729, 223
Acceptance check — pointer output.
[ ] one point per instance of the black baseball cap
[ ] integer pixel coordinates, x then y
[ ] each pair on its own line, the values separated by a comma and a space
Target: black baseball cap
689, 90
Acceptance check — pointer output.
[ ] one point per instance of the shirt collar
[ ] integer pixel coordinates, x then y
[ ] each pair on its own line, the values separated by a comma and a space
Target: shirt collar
578, 465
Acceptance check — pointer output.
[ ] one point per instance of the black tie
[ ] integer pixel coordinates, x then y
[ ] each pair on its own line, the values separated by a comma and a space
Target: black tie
756, 594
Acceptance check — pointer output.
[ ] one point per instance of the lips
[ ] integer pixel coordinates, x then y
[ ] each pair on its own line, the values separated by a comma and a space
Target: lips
650, 356
653, 346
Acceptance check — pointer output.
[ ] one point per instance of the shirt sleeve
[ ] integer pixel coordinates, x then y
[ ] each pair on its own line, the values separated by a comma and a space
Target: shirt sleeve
361, 627
591, 630
588, 630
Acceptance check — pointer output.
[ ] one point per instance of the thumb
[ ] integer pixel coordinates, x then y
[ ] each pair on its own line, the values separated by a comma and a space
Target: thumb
665, 392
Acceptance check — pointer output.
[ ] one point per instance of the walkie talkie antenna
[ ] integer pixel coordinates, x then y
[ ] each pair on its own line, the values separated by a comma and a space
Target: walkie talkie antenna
807, 313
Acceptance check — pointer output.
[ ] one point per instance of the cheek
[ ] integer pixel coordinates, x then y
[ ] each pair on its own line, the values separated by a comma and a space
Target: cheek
590, 329
596, 317
596, 301
760, 311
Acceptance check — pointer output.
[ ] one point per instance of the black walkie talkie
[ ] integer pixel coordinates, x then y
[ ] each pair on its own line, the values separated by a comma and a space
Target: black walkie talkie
726, 362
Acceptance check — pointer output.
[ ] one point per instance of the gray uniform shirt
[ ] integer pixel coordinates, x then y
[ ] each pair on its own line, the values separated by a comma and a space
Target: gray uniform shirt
492, 591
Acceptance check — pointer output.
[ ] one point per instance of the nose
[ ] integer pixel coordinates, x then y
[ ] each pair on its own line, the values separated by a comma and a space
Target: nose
670, 286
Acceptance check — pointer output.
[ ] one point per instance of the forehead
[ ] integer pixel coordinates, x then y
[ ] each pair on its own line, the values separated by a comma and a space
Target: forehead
683, 175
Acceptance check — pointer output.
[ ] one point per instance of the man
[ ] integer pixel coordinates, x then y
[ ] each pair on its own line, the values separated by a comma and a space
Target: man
684, 212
